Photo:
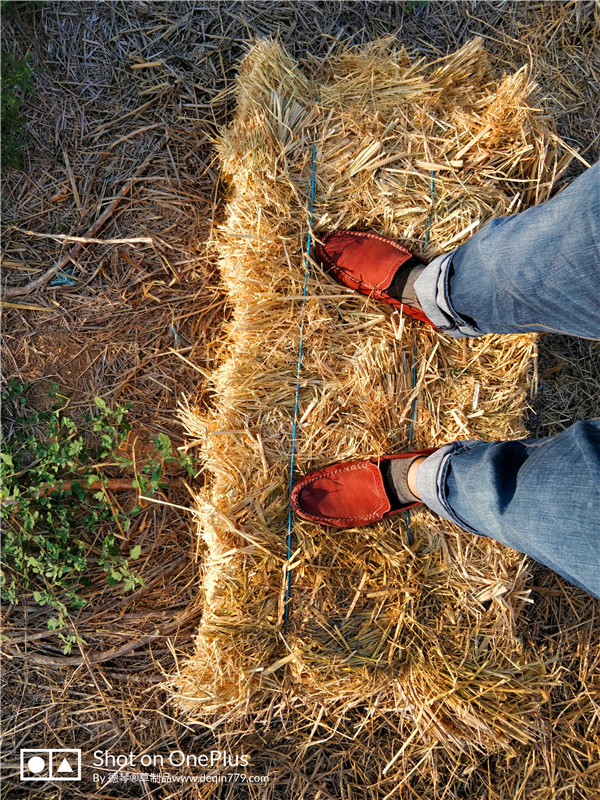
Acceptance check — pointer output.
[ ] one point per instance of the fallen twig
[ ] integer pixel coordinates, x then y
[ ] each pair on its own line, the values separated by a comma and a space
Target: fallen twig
16, 291
63, 237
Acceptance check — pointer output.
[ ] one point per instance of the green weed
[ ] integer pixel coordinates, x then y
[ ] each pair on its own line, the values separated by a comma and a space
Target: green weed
16, 83
411, 6
59, 524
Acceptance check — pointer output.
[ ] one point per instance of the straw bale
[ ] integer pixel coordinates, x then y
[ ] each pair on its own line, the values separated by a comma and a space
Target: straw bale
429, 631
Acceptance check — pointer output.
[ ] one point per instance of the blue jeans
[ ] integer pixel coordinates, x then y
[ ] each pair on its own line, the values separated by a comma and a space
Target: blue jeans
534, 271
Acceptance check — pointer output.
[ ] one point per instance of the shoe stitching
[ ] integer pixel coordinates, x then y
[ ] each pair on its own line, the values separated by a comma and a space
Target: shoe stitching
306, 481
379, 293
378, 237
319, 475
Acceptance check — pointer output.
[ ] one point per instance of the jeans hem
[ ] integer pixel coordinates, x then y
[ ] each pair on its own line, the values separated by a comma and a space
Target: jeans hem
433, 292
431, 481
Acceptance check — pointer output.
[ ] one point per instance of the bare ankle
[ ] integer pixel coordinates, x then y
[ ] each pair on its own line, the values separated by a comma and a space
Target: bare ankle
411, 477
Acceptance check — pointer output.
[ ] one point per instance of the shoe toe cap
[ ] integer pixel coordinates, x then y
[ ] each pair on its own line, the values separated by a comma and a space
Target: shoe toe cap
345, 495
364, 258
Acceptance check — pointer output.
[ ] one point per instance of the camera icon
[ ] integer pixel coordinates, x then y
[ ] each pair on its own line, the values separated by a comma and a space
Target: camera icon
50, 764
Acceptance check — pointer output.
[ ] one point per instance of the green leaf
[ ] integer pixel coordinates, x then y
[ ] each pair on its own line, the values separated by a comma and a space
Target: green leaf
162, 443
77, 490
53, 537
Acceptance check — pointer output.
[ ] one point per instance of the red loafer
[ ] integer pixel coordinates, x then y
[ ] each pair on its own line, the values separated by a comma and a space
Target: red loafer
368, 263
348, 494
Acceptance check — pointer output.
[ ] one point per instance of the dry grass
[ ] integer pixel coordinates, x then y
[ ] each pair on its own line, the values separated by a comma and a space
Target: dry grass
102, 125
426, 642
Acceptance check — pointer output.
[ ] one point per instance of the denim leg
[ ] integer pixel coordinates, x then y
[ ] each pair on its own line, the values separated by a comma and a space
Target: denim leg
534, 271
539, 496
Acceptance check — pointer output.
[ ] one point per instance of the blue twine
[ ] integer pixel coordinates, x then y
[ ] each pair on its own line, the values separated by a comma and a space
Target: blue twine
63, 278
176, 336
306, 262
414, 402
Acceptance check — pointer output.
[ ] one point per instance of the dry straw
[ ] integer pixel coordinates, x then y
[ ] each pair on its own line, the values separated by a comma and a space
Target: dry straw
425, 641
